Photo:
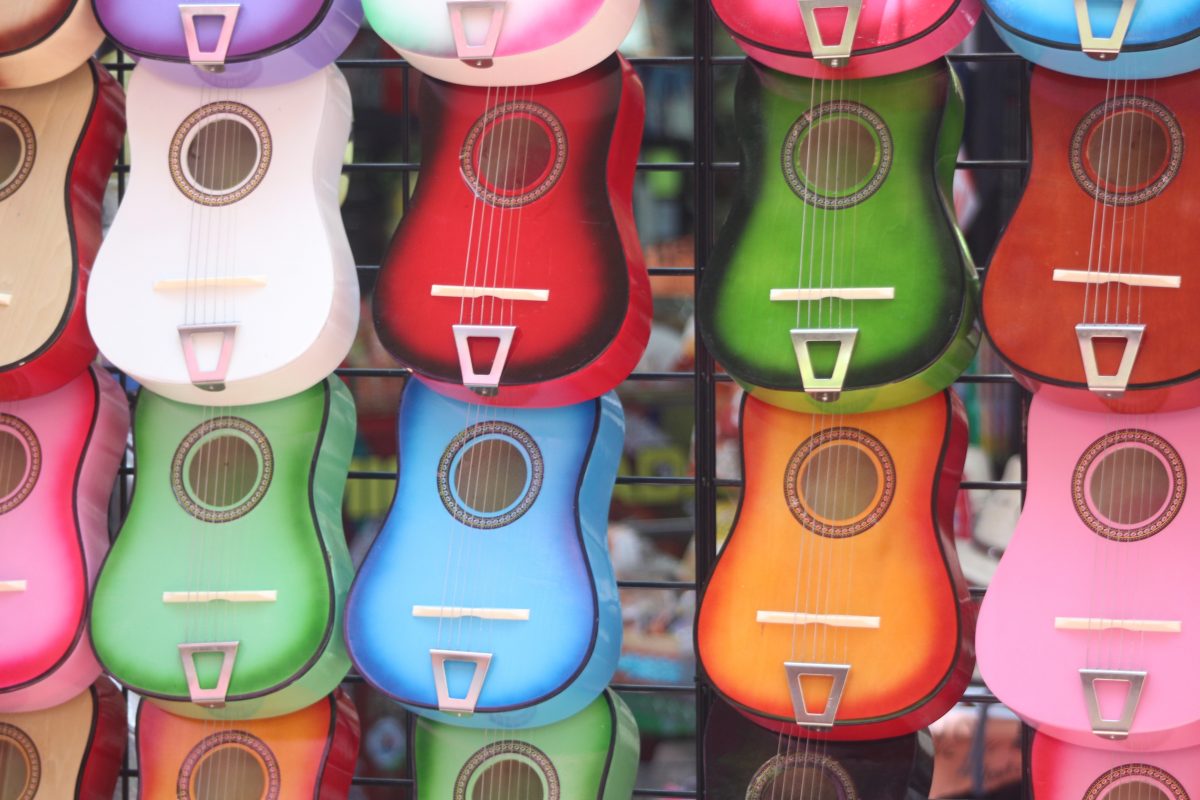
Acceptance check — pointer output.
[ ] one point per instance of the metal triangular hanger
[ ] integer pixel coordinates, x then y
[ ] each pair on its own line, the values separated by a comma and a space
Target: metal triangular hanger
796, 672
833, 55
1112, 728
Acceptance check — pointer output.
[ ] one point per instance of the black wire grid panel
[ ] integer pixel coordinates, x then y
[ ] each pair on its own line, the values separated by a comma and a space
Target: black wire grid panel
704, 170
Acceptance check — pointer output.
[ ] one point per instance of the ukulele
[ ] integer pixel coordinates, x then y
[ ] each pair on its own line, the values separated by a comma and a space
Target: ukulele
227, 44
309, 753
43, 40
502, 42
798, 303
1117, 39
593, 754
839, 39
58, 144
837, 608
1099, 653
222, 595
745, 762
1112, 289
59, 455
236, 302
495, 544
1062, 771
72, 750
516, 278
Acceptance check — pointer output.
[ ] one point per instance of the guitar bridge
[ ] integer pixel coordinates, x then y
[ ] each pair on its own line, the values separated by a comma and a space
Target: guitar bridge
1118, 728
831, 55
213, 59
1103, 48
1113, 385
459, 705
482, 52
796, 672
827, 389
214, 697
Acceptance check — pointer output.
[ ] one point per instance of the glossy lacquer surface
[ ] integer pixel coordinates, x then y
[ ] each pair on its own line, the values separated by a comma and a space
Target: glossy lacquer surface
564, 225
270, 41
1162, 39
466, 532
522, 42
743, 761
308, 754
1140, 221
1063, 771
879, 155
890, 36
189, 530
61, 141
71, 751
1105, 534
43, 40
59, 461
592, 755
841, 518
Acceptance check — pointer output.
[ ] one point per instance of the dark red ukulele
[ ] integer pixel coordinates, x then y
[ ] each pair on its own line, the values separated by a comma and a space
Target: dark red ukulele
517, 278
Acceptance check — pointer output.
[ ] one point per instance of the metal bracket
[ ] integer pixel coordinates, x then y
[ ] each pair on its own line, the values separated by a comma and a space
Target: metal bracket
796, 671
214, 58
832, 55
825, 390
457, 705
463, 334
212, 380
1109, 385
214, 697
1112, 728
479, 55
1103, 48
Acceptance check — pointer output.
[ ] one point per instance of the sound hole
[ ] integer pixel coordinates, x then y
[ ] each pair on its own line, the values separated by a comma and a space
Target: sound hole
839, 482
510, 779
491, 476
222, 155
14, 463
1127, 150
12, 153
230, 773
1136, 782
18, 151
514, 154
1137, 790
1128, 485
14, 771
803, 783
837, 154
20, 462
222, 469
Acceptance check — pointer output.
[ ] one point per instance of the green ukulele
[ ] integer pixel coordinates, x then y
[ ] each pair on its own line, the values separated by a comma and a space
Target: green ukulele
840, 281
590, 756
223, 593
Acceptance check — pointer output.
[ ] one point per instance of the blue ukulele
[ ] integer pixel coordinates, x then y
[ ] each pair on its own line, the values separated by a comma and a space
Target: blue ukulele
488, 599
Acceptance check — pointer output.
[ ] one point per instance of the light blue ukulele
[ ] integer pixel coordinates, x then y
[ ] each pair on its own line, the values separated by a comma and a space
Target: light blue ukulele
1111, 39
488, 599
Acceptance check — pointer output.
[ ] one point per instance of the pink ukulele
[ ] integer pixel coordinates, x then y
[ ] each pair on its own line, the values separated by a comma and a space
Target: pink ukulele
1063, 771
836, 39
58, 460
1090, 630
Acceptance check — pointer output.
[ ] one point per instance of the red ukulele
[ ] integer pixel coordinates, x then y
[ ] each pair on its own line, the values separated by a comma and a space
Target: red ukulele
517, 278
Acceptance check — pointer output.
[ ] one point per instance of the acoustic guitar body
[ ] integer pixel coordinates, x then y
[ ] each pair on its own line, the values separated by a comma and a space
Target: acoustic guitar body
495, 545
236, 302
837, 608
743, 761
1064, 771
309, 753
1111, 169
58, 144
512, 43
70, 751
59, 455
841, 257
516, 278
854, 38
1107, 523
231, 563
43, 40
592, 755
247, 43
1124, 40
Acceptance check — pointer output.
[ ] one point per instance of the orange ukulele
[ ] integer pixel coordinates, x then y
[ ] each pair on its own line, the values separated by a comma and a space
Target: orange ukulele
837, 607
309, 753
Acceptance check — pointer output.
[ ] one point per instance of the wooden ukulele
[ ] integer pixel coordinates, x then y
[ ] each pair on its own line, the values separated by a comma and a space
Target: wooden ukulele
223, 593
837, 608
43, 40
308, 754
59, 455
516, 278
1105, 300
58, 144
